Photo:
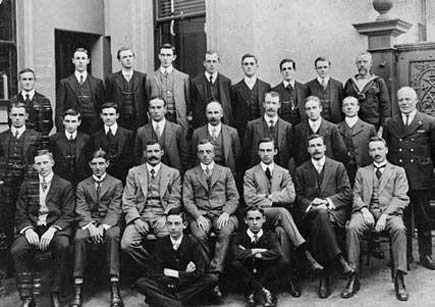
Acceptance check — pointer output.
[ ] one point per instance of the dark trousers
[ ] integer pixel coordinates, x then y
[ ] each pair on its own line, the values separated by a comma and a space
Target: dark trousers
24, 257
256, 274
83, 243
319, 229
420, 205
159, 294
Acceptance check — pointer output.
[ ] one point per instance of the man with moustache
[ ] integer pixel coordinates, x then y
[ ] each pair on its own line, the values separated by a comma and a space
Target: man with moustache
291, 92
225, 138
247, 101
270, 125
173, 86
127, 88
410, 136
151, 190
315, 124
371, 92
80, 91
329, 91
380, 196
210, 86
323, 197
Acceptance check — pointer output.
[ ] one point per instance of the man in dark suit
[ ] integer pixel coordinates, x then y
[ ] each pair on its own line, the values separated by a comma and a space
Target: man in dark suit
370, 90
380, 195
80, 91
17, 147
329, 91
178, 271
127, 88
248, 95
169, 135
323, 203
315, 124
98, 207
292, 93
116, 141
410, 136
151, 190
210, 86
225, 138
211, 199
272, 126
69, 148
356, 134
39, 107
173, 86
45, 213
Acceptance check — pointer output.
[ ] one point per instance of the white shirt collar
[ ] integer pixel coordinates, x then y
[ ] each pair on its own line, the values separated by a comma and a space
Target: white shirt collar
155, 168
20, 130
286, 83
270, 166
78, 74
160, 123
207, 76
99, 179
127, 73
315, 124
268, 119
319, 163
48, 179
114, 128
176, 242
377, 165
251, 234
250, 81
74, 135
351, 121
211, 128
411, 116
210, 166
168, 70
30, 93
320, 80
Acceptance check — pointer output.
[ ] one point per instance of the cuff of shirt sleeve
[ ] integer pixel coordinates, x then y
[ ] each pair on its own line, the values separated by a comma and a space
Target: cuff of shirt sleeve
87, 225
330, 204
106, 226
22, 231
57, 227
308, 208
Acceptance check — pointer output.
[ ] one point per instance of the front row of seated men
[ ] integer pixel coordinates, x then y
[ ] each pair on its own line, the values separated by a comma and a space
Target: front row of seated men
179, 269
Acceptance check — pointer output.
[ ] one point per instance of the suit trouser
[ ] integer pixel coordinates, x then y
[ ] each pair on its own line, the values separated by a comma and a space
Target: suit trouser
82, 243
320, 230
395, 229
222, 243
276, 216
158, 294
23, 254
421, 207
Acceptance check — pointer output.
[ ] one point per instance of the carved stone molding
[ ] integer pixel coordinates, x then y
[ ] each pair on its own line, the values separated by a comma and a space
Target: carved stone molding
422, 79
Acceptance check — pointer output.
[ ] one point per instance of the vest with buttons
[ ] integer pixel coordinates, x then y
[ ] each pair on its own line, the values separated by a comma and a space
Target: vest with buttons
86, 103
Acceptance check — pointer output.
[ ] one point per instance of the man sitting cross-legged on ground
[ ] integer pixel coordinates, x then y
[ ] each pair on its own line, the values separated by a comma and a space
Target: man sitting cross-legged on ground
177, 273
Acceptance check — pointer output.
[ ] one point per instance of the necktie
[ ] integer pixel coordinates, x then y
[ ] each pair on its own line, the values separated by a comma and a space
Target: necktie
319, 168
44, 184
153, 173
407, 120
268, 173
214, 134
157, 130
176, 245
81, 80
211, 79
98, 188
324, 83
16, 134
378, 172
208, 174
128, 77
27, 98
255, 238
271, 130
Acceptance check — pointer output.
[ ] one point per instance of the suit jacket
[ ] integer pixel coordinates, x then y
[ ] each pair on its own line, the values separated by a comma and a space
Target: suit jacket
198, 96
231, 145
221, 196
360, 136
267, 241
335, 186
123, 160
40, 113
300, 97
59, 148
181, 94
32, 140
59, 201
393, 189
336, 95
240, 103
134, 197
335, 147
256, 184
174, 145
412, 148
104, 208
67, 96
255, 131
114, 90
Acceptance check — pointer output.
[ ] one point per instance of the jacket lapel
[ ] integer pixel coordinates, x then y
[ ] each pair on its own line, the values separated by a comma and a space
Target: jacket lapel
200, 84
368, 188
386, 174
261, 178
118, 79
143, 179
92, 190
135, 80
52, 190
201, 176
74, 84
168, 132
226, 141
105, 185
276, 180
415, 124
164, 180
326, 174
121, 139
26, 141
281, 136
177, 79
80, 144
215, 175
357, 128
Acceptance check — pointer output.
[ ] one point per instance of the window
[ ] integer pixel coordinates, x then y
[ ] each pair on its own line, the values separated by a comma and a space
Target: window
8, 50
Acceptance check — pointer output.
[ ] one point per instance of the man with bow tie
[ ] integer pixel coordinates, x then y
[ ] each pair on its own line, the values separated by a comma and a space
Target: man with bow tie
98, 207
410, 136
380, 196
127, 88
80, 91
44, 217
211, 199
151, 190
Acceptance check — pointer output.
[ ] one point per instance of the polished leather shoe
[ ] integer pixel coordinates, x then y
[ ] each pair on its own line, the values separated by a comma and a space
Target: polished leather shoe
54, 299
399, 287
115, 297
352, 286
269, 300
77, 301
293, 289
217, 294
427, 262
28, 302
324, 290
250, 300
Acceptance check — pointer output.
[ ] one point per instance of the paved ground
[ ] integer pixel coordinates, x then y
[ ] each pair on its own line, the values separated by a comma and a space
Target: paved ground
376, 290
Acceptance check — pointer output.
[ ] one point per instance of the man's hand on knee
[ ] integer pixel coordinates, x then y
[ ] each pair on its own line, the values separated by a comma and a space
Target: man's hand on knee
203, 223
32, 237
141, 226
368, 216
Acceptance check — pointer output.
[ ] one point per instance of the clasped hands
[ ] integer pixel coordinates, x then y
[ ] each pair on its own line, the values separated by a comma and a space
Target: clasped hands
42, 243
190, 267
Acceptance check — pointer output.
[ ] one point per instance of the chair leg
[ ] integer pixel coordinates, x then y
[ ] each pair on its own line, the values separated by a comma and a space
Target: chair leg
392, 260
